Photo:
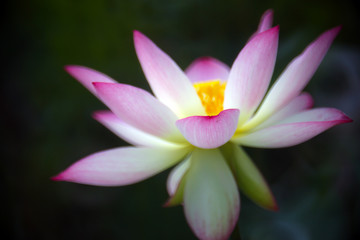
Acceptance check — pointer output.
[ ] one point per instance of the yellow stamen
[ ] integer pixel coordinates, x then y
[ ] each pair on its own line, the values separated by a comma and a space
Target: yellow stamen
211, 94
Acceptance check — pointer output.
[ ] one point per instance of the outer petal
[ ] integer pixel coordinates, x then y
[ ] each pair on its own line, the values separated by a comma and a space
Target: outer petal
176, 175
209, 131
295, 129
248, 177
140, 109
295, 77
121, 166
298, 104
251, 73
168, 82
176, 183
211, 198
86, 76
265, 22
129, 133
207, 68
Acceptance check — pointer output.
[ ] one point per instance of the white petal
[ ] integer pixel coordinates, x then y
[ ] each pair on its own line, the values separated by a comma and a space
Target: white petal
295, 77
176, 175
140, 109
251, 73
129, 133
211, 198
294, 130
87, 76
298, 104
121, 166
168, 82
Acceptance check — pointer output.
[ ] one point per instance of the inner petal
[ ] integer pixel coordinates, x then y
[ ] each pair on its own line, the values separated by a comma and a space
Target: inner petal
211, 94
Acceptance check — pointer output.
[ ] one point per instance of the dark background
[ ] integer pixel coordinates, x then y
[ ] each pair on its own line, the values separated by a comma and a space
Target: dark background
46, 116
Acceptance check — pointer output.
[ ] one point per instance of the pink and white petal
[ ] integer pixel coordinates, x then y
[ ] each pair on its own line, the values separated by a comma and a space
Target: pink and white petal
176, 175
207, 68
295, 77
178, 196
86, 76
139, 109
129, 133
168, 82
211, 198
266, 22
317, 114
209, 131
302, 102
251, 73
248, 177
294, 130
121, 166
176, 183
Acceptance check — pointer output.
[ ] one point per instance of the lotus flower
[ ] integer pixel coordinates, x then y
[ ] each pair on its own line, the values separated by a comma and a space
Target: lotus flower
199, 119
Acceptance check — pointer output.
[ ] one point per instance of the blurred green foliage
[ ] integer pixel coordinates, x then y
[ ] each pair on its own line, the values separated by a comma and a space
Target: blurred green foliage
46, 116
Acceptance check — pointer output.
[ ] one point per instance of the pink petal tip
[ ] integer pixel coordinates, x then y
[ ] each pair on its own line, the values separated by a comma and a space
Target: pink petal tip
209, 131
57, 178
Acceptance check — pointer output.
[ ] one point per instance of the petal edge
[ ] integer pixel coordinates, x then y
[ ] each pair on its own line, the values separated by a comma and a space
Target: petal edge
207, 68
121, 166
211, 198
295, 129
209, 131
168, 82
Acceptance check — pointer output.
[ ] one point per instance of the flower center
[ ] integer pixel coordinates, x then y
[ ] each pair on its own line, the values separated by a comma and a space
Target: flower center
211, 94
